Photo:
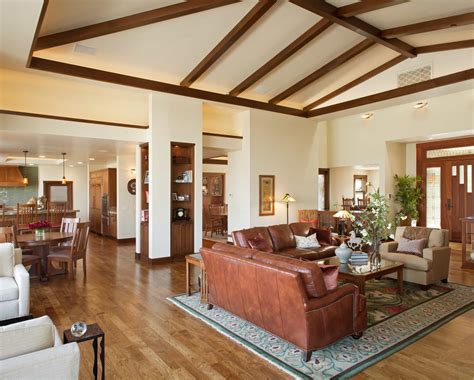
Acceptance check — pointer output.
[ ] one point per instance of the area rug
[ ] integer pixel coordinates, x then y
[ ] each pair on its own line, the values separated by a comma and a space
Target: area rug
394, 322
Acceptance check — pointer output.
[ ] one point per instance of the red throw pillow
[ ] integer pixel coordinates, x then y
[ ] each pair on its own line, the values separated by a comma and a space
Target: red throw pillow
311, 221
330, 274
260, 244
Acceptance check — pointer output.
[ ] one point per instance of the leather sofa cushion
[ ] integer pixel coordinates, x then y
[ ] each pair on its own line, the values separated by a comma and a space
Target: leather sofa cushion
245, 253
259, 243
330, 275
282, 237
310, 272
300, 229
8, 289
324, 236
242, 237
410, 261
310, 254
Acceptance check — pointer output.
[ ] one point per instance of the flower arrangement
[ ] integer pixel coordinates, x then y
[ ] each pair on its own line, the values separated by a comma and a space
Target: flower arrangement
39, 225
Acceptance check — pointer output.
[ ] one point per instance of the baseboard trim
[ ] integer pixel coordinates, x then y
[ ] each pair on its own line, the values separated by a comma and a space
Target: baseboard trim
126, 240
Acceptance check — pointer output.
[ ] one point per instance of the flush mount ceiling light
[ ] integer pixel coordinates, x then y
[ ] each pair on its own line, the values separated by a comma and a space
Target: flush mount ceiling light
420, 105
25, 179
42, 156
91, 159
64, 169
367, 115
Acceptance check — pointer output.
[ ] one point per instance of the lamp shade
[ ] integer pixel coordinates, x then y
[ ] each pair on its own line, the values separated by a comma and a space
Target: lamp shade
343, 214
288, 198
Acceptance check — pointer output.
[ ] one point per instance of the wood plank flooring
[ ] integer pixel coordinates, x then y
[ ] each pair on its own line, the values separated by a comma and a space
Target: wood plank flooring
149, 338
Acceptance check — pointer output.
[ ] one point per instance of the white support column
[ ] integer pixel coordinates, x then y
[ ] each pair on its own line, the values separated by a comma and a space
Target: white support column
138, 198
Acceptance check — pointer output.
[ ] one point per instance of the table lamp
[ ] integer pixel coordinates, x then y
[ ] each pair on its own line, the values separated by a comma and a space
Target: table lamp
342, 215
288, 198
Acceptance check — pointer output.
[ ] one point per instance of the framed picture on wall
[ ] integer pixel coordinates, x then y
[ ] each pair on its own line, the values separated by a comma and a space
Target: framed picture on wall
267, 195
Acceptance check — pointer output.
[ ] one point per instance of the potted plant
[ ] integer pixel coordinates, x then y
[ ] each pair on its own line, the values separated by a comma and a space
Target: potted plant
408, 195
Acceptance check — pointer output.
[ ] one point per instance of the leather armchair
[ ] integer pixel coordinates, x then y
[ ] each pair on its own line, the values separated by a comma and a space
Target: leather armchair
14, 284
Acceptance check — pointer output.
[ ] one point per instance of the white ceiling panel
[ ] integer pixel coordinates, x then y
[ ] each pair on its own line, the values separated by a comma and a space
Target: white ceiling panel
459, 33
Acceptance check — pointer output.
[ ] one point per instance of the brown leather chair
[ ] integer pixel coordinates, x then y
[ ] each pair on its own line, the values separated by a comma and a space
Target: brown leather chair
298, 306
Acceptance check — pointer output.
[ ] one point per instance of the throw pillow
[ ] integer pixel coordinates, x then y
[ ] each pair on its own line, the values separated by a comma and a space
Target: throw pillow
307, 241
260, 244
313, 222
413, 247
330, 273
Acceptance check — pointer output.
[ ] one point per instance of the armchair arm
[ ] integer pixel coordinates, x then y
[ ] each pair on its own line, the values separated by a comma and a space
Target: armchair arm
22, 279
331, 297
390, 246
61, 362
440, 261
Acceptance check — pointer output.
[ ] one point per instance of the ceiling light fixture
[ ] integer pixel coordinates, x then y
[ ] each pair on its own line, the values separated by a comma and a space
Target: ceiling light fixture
91, 159
64, 169
42, 156
80, 162
367, 115
420, 105
25, 179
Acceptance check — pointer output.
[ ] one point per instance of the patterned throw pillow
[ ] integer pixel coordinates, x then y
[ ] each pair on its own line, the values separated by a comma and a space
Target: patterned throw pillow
412, 247
307, 241
260, 244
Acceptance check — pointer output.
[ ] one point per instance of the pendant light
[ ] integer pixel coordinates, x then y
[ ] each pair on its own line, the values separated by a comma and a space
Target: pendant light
64, 169
25, 179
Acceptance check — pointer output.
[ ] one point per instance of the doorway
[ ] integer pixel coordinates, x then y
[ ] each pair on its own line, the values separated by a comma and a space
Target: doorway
215, 210
445, 168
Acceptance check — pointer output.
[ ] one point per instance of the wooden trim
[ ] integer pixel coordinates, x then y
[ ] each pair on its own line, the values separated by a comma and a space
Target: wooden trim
327, 68
326, 172
37, 31
222, 135
329, 12
365, 6
395, 93
445, 46
70, 193
126, 80
160, 260
126, 241
429, 26
128, 22
230, 39
355, 82
283, 55
73, 119
213, 161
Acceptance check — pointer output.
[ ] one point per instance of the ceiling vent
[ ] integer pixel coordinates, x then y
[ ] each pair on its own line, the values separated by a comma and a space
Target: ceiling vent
83, 49
418, 75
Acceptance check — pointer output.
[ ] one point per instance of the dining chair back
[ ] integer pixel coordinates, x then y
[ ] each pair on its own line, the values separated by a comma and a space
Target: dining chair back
25, 214
362, 202
347, 203
56, 212
2, 212
68, 224
80, 240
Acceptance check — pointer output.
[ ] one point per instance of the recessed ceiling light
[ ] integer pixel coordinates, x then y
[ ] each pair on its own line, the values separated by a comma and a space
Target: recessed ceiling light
91, 159
30, 164
102, 151
80, 162
367, 115
42, 156
420, 105
71, 166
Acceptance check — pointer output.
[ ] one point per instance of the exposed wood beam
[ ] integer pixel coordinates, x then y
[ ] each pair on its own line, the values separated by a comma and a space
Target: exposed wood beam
37, 31
355, 82
335, 63
429, 26
395, 93
213, 161
329, 12
126, 80
283, 55
128, 22
365, 6
230, 39
73, 119
445, 46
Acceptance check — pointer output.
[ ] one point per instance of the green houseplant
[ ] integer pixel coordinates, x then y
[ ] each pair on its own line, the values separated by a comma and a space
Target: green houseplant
408, 195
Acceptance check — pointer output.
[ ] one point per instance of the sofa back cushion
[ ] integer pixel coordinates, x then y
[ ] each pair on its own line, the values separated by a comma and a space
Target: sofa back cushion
26, 339
241, 238
282, 237
310, 272
245, 253
323, 235
260, 244
300, 229
7, 259
438, 238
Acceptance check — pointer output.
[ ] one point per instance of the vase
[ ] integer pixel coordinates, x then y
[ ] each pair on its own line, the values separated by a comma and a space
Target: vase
344, 253
39, 232
375, 257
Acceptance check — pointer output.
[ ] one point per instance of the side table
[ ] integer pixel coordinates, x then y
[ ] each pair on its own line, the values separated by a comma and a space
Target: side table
196, 259
94, 332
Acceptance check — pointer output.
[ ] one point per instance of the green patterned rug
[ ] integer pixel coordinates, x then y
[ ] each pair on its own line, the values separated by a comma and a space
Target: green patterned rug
394, 322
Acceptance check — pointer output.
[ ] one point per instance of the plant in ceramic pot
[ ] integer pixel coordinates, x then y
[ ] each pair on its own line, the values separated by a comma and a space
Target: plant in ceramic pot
374, 226
39, 227
408, 195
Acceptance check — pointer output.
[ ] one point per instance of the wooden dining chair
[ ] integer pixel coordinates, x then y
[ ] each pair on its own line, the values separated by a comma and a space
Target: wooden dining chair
2, 212
212, 223
56, 212
362, 202
69, 255
25, 214
347, 203
68, 224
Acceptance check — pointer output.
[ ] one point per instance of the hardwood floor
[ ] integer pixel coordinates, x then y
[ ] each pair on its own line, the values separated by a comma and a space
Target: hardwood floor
149, 338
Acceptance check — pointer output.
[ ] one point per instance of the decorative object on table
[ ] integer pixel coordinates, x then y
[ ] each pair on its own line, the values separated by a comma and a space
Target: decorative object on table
132, 186
408, 195
25, 178
31, 201
39, 227
343, 252
146, 180
180, 213
174, 196
266, 195
342, 215
374, 226
181, 198
355, 243
78, 329
41, 203
185, 177
63, 180
287, 199
359, 258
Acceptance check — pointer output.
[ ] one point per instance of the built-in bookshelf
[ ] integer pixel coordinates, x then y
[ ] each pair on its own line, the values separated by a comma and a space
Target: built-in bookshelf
144, 225
182, 199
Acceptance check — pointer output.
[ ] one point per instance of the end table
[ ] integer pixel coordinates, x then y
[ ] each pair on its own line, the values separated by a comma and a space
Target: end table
94, 332
196, 259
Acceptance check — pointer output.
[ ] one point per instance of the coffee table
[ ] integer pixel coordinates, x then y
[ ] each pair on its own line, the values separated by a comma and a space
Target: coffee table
359, 274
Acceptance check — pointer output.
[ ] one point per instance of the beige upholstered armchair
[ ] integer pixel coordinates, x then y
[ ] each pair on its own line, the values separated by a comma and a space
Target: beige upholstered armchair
433, 266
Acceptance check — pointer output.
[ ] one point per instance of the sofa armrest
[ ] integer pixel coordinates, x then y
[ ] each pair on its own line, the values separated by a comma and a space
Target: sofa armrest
61, 362
439, 257
390, 246
22, 279
331, 297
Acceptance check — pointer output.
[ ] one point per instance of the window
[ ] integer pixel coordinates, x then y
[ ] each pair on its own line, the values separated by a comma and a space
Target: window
433, 197
360, 187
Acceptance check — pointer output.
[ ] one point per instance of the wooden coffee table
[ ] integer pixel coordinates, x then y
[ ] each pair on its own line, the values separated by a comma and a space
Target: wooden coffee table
359, 274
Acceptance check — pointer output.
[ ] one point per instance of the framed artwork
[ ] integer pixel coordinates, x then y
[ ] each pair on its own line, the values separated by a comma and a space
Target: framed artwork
267, 195
147, 178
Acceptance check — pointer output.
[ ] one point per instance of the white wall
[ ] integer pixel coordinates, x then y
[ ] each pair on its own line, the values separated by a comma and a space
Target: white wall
125, 201
410, 159
78, 175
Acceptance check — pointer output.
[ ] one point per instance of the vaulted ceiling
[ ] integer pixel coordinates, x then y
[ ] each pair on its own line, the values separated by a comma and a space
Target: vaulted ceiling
284, 56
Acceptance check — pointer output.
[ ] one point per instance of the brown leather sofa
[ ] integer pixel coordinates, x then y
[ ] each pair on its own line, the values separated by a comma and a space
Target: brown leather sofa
285, 296
282, 239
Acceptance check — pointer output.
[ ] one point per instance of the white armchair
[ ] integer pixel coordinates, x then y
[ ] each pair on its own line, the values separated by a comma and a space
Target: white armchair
14, 284
33, 350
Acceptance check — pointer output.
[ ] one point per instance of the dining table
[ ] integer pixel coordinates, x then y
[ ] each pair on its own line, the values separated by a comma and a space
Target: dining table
40, 244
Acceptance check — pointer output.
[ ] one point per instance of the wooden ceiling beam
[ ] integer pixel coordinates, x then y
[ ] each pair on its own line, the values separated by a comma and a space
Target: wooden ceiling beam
365, 6
128, 22
130, 81
283, 55
332, 65
460, 76
328, 11
355, 82
429, 26
445, 46
230, 39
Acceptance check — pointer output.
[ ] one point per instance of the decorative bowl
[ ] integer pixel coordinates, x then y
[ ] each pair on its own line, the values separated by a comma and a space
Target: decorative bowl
78, 329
